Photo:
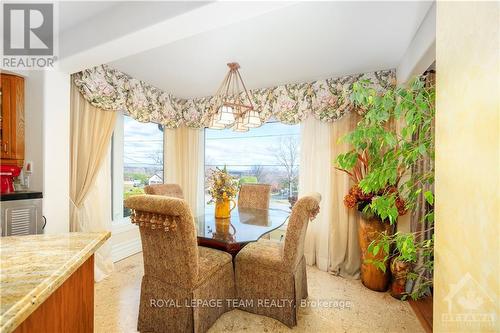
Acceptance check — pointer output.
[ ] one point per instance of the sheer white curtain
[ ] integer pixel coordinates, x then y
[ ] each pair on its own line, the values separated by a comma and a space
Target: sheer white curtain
331, 240
184, 163
91, 130
315, 176
95, 214
344, 250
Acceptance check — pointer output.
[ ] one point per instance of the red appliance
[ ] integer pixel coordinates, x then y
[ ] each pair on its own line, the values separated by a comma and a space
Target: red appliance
7, 175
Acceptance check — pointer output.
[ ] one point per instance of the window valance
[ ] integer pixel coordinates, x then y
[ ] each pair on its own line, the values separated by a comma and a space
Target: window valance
328, 100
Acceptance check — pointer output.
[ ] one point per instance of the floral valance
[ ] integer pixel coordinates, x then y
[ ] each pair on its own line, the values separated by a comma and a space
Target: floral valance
328, 100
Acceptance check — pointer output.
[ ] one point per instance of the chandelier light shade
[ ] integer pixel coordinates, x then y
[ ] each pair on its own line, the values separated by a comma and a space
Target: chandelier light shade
251, 119
225, 115
213, 124
239, 126
235, 108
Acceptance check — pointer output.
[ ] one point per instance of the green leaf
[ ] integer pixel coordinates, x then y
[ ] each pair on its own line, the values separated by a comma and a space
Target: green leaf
422, 150
381, 266
429, 197
370, 247
386, 248
429, 217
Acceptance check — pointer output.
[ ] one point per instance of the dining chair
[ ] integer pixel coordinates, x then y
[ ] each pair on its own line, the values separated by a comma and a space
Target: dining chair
169, 190
177, 272
275, 272
254, 196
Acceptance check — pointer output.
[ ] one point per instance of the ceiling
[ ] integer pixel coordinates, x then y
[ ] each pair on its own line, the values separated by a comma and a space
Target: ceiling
76, 12
91, 30
301, 42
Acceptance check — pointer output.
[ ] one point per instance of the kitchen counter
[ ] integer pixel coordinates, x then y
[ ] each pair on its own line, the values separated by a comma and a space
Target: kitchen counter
21, 195
34, 267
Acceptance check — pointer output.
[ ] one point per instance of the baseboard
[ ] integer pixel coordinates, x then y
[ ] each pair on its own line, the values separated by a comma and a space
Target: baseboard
423, 310
125, 249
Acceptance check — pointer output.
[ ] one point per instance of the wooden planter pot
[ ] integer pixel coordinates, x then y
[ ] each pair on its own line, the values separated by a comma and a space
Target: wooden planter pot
372, 277
399, 270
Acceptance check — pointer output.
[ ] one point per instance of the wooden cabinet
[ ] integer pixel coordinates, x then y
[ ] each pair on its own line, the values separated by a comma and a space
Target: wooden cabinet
12, 119
69, 309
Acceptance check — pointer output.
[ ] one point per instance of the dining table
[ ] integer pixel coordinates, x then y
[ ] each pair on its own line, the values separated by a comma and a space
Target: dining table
245, 225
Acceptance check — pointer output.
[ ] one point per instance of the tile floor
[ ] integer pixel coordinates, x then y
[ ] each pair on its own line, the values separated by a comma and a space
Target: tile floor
117, 303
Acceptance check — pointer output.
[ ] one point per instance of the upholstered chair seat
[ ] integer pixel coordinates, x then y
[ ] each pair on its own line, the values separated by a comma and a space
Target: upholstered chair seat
269, 253
210, 261
271, 271
169, 190
254, 196
177, 272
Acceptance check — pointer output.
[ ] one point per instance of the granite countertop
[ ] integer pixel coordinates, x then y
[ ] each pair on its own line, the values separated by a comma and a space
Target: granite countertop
21, 195
34, 266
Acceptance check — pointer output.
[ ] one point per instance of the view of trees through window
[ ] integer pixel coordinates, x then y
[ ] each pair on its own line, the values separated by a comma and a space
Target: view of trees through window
142, 157
268, 154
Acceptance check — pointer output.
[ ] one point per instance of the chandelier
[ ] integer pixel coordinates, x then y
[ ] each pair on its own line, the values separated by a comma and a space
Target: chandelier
233, 104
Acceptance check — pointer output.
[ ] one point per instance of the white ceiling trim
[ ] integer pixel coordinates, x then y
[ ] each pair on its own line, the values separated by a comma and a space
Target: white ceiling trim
202, 19
422, 50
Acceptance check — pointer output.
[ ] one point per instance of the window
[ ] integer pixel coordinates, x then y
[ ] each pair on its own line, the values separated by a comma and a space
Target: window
137, 161
268, 154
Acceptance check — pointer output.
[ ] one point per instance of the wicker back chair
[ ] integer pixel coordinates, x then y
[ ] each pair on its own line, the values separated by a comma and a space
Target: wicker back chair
275, 271
175, 268
254, 196
169, 190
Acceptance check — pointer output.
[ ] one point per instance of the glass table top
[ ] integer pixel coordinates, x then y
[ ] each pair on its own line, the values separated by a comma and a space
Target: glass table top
245, 225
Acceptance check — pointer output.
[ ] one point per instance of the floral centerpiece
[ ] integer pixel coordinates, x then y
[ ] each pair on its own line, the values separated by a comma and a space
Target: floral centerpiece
223, 188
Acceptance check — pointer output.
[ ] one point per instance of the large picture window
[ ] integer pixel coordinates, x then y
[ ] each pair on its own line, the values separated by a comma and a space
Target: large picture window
268, 154
137, 160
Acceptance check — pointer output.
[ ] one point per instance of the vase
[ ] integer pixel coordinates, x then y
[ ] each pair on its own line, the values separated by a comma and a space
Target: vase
223, 230
223, 208
368, 230
399, 270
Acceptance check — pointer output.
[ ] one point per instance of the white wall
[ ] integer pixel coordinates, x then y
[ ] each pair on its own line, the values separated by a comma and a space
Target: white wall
56, 122
125, 240
467, 248
33, 95
421, 52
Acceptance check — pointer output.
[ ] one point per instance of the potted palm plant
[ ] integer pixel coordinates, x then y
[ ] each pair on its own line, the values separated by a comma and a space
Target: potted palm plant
380, 163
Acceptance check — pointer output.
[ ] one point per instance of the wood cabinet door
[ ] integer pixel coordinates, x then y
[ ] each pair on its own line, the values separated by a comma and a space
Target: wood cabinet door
12, 120
17, 118
5, 120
